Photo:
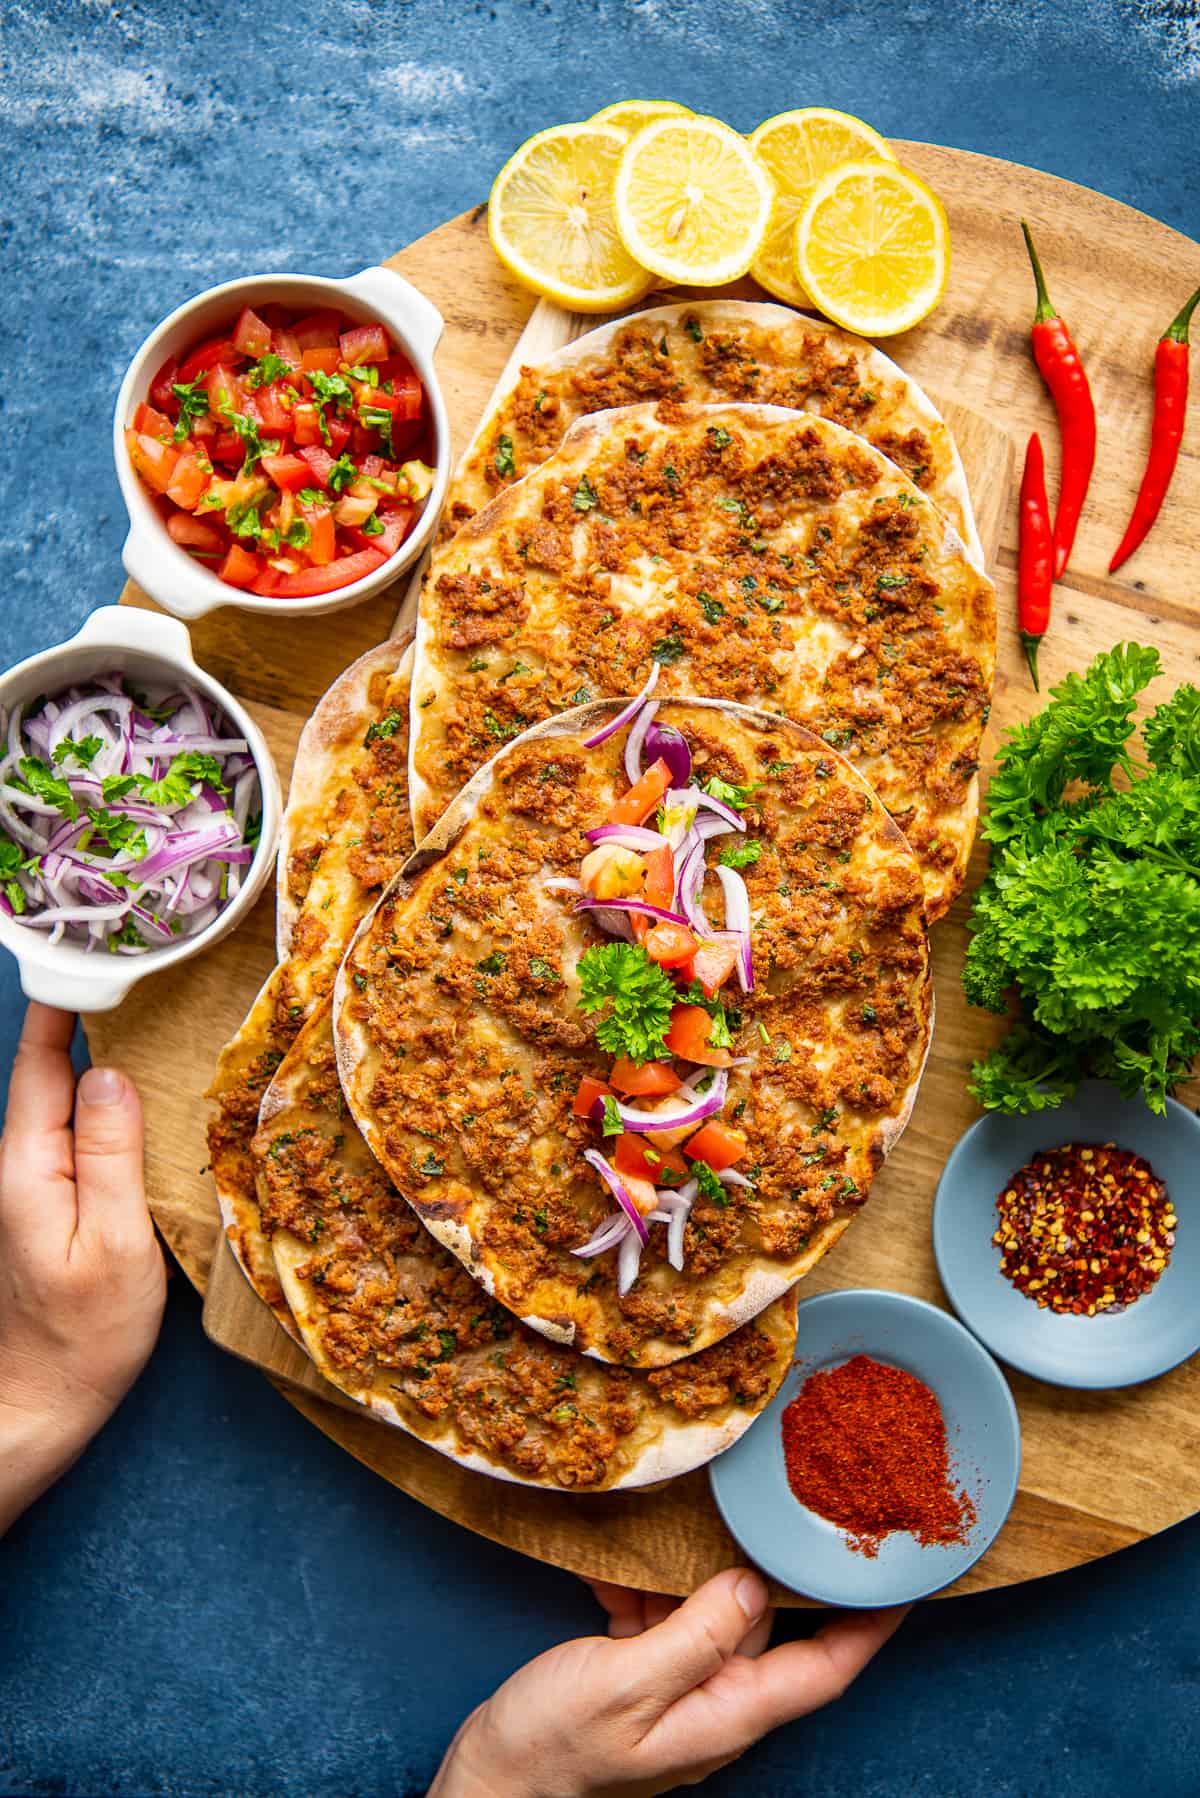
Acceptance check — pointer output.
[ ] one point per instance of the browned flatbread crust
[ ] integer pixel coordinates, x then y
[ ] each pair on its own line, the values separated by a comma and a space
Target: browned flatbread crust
759, 556
705, 352
461, 1045
393, 1319
354, 805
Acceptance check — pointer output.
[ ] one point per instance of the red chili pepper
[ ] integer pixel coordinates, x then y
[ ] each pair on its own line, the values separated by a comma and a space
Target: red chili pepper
1170, 410
1061, 368
1035, 556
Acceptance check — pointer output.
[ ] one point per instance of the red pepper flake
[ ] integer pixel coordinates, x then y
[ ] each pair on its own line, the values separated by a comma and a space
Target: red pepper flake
865, 1447
1085, 1229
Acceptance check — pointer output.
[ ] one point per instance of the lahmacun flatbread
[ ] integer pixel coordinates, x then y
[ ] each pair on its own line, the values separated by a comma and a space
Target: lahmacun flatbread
462, 1045
759, 555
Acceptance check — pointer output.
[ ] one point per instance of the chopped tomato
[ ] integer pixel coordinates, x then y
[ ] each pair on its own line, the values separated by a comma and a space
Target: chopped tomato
396, 520
643, 796
274, 409
154, 461
639, 1157
341, 573
321, 548
339, 433
194, 533
283, 342
189, 480
153, 423
223, 388
327, 361
660, 877
712, 965
160, 387
251, 336
406, 385
365, 344
318, 330
319, 460
289, 473
650, 1081
306, 423
204, 357
669, 944
227, 447
361, 441
588, 1092
688, 1034
239, 568
717, 1144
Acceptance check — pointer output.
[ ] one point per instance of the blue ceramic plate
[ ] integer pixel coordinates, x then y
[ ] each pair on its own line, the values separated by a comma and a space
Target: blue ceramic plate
811, 1555
1157, 1331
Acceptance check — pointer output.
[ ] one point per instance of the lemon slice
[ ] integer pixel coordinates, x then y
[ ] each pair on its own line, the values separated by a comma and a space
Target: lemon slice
873, 248
692, 200
798, 148
550, 219
631, 115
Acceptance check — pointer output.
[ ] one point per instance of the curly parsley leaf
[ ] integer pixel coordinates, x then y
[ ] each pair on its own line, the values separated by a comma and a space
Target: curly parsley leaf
743, 854
40, 780
84, 752
709, 1185
728, 794
621, 976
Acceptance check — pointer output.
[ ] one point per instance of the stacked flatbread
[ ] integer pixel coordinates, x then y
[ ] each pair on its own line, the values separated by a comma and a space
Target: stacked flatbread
774, 515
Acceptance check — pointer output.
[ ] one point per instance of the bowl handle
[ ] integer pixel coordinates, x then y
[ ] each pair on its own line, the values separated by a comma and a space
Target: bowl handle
73, 991
158, 572
151, 631
419, 317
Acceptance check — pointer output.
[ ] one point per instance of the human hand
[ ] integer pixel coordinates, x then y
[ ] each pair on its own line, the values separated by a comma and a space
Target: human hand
679, 1690
82, 1282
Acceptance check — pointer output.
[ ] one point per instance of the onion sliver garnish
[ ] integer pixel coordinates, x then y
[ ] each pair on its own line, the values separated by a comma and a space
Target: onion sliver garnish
664, 742
737, 921
627, 836
729, 1176
619, 1191
606, 1236
635, 739
641, 906
125, 819
625, 714
692, 1112
685, 1198
703, 802
629, 1257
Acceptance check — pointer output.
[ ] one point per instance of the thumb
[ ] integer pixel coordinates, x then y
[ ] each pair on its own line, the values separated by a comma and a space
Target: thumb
695, 1641
108, 1155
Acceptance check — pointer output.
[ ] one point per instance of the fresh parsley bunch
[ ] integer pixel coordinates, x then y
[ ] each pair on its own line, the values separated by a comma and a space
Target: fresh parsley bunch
1091, 906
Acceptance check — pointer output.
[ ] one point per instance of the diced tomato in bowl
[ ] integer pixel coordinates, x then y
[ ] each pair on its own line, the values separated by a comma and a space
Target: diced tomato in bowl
283, 449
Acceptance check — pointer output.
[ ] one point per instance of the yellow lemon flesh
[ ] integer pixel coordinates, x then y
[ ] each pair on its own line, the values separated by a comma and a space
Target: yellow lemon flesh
631, 115
798, 148
873, 248
551, 220
692, 200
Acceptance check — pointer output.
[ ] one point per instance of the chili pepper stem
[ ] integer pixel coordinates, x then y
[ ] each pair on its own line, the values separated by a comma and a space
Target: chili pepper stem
1177, 330
1030, 644
1045, 308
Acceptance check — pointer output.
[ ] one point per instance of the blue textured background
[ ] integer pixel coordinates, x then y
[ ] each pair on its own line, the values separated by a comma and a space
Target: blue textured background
217, 1600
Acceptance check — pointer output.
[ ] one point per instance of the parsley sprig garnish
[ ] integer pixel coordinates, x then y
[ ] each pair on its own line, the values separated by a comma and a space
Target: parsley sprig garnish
621, 977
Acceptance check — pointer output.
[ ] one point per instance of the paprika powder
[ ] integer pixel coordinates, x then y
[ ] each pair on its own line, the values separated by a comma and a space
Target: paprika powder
865, 1447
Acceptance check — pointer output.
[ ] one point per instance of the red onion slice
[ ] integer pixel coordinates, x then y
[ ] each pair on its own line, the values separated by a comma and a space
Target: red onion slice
629, 1259
606, 1236
625, 714
737, 922
640, 906
678, 1224
619, 1191
635, 739
692, 1112
729, 1176
663, 740
627, 836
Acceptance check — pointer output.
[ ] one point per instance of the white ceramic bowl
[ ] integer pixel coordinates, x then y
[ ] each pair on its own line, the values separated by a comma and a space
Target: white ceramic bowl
167, 573
150, 649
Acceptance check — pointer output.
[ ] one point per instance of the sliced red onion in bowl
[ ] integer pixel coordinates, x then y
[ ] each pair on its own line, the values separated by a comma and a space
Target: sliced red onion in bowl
147, 864
619, 1190
626, 713
693, 1111
664, 742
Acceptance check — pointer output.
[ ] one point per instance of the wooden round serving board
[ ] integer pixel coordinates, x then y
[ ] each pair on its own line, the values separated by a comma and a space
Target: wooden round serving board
1101, 1470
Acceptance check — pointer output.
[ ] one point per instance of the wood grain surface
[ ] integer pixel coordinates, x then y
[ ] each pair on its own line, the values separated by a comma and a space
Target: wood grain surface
1101, 1470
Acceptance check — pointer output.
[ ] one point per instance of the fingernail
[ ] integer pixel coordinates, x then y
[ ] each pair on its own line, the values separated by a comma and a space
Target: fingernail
751, 1595
101, 1086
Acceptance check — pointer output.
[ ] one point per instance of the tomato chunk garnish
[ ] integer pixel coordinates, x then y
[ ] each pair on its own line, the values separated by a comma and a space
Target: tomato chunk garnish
717, 1144
589, 1090
652, 1080
687, 1036
712, 965
638, 1158
669, 944
636, 805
